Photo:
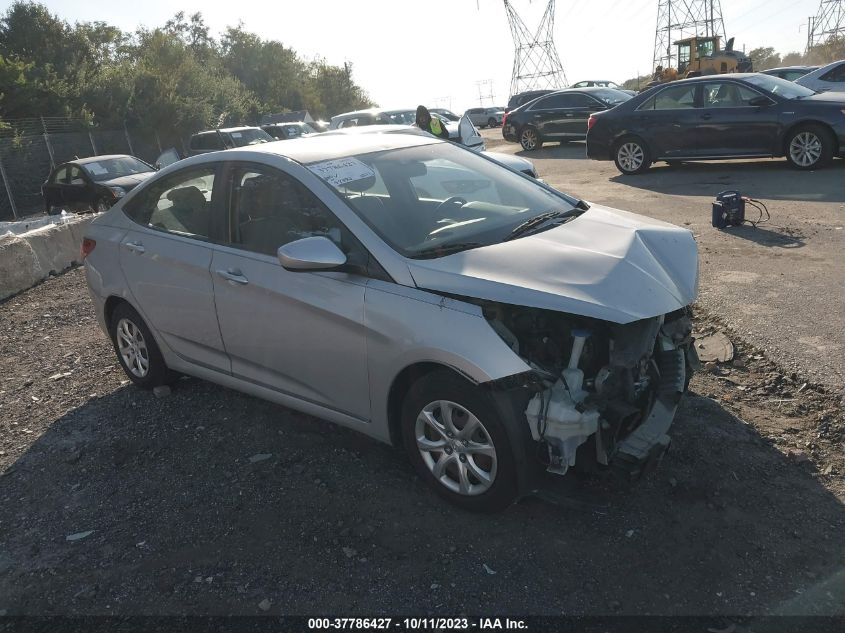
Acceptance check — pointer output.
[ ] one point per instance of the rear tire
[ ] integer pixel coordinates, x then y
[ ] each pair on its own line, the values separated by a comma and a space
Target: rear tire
529, 138
809, 147
491, 122
100, 205
631, 156
136, 349
458, 443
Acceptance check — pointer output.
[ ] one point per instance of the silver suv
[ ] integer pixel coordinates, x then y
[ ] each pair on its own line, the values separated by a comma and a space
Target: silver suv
485, 117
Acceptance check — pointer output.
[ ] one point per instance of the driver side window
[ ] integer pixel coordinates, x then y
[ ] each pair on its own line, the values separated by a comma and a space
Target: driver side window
270, 209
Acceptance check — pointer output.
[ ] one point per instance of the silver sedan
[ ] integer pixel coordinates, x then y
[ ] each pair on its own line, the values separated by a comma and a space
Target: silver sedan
412, 290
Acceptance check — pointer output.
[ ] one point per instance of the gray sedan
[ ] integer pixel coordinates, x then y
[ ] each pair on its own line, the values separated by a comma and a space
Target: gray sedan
413, 290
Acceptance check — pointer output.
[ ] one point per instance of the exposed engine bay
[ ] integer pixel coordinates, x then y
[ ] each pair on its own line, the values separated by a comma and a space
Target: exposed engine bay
606, 393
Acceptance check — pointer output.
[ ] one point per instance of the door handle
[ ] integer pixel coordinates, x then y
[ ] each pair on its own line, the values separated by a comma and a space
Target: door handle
233, 275
706, 117
135, 247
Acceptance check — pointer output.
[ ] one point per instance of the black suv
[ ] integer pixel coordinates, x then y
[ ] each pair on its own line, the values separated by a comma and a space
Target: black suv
521, 98
559, 116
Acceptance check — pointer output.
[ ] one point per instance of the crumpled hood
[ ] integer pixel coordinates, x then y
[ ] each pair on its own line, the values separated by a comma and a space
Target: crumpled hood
606, 264
127, 182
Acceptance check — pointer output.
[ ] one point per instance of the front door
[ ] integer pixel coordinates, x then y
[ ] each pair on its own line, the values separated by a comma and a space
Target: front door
166, 262
78, 191
301, 333
730, 126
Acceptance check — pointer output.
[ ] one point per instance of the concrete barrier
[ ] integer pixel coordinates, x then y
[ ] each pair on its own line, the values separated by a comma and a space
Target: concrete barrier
31, 257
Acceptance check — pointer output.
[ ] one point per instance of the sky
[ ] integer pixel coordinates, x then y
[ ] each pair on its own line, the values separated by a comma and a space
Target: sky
455, 53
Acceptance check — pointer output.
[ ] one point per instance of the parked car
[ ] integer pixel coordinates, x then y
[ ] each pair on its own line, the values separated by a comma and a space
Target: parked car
226, 138
404, 287
560, 116
742, 115
522, 98
517, 163
830, 78
287, 131
377, 116
446, 114
602, 83
320, 126
485, 117
96, 182
790, 73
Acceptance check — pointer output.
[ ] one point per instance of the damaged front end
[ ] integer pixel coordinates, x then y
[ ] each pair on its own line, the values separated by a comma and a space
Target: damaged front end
606, 393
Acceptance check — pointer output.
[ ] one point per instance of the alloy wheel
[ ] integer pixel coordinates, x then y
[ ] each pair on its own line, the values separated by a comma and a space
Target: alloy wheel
456, 447
132, 348
630, 156
529, 139
805, 149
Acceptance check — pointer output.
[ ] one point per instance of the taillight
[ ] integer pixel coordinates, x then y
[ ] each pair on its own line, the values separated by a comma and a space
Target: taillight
504, 118
591, 122
87, 246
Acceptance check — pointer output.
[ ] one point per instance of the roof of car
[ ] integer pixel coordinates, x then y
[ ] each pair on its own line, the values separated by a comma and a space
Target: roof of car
94, 159
782, 68
319, 147
228, 129
373, 111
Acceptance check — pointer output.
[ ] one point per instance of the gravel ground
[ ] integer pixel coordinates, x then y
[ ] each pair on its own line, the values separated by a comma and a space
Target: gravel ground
114, 501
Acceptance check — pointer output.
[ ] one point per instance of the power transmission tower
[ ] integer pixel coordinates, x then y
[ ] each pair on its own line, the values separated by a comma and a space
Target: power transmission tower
829, 22
679, 19
536, 63
485, 91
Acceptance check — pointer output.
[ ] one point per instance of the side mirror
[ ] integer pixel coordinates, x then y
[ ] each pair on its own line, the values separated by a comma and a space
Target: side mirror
311, 254
760, 101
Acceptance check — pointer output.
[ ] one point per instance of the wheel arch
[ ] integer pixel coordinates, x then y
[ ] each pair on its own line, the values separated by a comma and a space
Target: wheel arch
399, 389
830, 132
111, 305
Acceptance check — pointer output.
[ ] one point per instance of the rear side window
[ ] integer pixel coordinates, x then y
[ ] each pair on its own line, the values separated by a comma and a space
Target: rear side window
837, 74
209, 141
179, 204
61, 176
674, 98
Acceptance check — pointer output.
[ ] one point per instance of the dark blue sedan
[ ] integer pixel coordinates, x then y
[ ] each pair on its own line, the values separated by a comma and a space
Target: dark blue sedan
748, 115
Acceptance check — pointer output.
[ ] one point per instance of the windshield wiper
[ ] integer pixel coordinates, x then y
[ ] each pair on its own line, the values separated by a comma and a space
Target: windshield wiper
532, 223
446, 249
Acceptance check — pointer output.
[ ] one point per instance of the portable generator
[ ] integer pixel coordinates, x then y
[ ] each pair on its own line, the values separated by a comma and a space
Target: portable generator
728, 209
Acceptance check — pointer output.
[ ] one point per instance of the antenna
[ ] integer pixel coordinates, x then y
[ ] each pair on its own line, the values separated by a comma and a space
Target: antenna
679, 19
829, 22
536, 63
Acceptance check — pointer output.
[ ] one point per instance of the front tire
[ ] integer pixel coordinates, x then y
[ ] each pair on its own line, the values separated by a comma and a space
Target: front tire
530, 139
136, 349
458, 443
809, 147
631, 156
491, 122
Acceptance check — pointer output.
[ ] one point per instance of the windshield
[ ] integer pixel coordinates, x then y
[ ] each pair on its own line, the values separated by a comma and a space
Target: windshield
401, 117
439, 196
241, 138
780, 87
108, 168
611, 97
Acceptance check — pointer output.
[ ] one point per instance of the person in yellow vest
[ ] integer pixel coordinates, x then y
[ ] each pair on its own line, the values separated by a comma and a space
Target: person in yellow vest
431, 124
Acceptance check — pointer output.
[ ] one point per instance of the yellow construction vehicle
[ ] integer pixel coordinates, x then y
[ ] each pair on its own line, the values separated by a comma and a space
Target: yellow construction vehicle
703, 56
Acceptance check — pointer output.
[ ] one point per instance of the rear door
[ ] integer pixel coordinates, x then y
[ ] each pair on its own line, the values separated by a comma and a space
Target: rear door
166, 261
54, 189
300, 333
579, 108
667, 121
79, 189
548, 115
730, 126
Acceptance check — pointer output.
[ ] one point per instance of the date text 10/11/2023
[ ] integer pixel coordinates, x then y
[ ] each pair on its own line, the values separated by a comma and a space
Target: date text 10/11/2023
417, 624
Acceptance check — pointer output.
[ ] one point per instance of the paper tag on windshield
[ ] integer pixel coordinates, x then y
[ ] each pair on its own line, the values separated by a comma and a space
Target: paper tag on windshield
340, 171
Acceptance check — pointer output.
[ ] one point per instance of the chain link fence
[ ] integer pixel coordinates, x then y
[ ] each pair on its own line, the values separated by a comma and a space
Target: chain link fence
31, 148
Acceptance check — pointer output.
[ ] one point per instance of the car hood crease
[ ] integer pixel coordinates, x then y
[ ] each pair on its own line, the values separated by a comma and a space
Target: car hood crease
605, 264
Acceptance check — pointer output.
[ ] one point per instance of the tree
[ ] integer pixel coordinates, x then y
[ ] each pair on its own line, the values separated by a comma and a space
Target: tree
764, 58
